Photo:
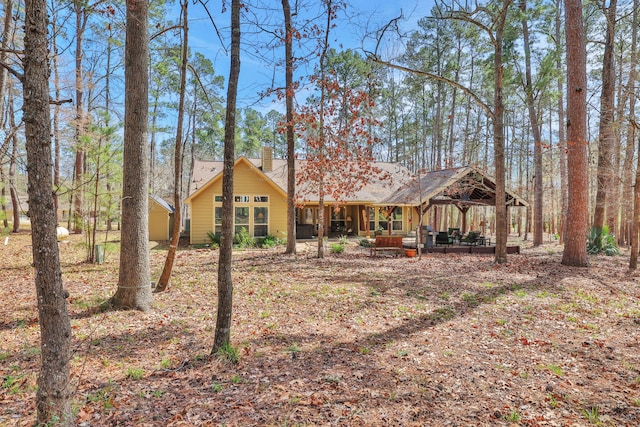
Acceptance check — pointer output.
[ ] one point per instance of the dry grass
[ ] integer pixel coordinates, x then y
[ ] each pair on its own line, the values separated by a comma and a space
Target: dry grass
348, 340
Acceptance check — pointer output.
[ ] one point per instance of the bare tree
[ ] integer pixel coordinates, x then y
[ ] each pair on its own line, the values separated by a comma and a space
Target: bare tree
291, 162
163, 282
81, 12
535, 128
225, 281
54, 391
606, 139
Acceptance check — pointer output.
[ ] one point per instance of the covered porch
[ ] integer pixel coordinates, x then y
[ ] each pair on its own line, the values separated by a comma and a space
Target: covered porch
357, 219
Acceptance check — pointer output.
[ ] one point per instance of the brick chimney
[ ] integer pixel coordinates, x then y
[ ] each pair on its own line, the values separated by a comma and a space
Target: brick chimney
267, 159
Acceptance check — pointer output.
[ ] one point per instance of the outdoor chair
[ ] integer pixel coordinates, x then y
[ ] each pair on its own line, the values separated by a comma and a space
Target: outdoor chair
443, 238
455, 235
471, 238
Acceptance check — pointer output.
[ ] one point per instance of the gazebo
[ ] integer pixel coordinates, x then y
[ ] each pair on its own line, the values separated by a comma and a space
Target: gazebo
462, 187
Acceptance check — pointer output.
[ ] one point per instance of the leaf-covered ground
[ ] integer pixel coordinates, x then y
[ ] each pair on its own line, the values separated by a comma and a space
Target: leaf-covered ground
446, 340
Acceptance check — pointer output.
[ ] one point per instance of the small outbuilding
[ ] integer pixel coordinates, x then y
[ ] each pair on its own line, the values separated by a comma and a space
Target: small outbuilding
160, 215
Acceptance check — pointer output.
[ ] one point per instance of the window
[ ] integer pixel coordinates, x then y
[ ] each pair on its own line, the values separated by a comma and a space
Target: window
308, 216
250, 213
382, 219
241, 219
372, 219
396, 218
337, 219
260, 221
218, 220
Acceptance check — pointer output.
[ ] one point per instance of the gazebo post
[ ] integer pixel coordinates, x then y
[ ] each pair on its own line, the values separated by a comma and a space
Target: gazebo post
463, 210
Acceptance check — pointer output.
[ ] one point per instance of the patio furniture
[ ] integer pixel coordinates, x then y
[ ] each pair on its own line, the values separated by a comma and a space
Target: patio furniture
387, 244
443, 238
455, 234
472, 238
484, 241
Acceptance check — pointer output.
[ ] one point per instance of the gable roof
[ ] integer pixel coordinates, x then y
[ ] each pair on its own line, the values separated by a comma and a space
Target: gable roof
464, 185
160, 201
206, 173
381, 186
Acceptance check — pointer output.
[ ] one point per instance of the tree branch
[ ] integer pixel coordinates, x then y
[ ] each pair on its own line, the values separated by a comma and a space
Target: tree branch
60, 101
15, 73
453, 83
392, 23
215, 27
14, 51
173, 27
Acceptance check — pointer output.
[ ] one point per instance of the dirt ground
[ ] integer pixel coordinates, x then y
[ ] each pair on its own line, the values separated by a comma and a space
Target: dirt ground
349, 340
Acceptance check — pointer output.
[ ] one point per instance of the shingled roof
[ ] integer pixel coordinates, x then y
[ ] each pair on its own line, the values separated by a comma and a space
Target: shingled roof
396, 185
463, 185
381, 186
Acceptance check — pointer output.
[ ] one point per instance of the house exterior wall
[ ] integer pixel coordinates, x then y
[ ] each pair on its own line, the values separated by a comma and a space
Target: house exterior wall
248, 182
158, 221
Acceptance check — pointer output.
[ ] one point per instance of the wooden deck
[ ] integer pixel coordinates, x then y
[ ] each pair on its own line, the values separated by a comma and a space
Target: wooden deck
470, 249
460, 249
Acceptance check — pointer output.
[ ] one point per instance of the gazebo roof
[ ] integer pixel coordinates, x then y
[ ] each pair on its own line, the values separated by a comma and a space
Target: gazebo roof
463, 186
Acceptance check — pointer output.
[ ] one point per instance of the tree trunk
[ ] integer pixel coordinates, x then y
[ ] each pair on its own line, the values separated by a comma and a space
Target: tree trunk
225, 283
54, 391
575, 248
291, 161
3, 197
163, 282
8, 8
498, 141
607, 135
8, 25
562, 143
321, 224
537, 138
134, 282
635, 226
56, 113
322, 146
78, 177
628, 179
13, 190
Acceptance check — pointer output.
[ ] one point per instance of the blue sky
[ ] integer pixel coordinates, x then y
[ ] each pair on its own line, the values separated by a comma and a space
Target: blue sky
256, 74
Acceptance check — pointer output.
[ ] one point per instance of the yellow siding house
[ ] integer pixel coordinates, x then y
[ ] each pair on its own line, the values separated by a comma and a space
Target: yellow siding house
260, 204
389, 203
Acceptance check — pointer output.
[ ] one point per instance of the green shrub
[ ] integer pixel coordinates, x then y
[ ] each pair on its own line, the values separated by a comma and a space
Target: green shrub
269, 241
214, 239
243, 239
343, 239
602, 240
365, 243
336, 248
